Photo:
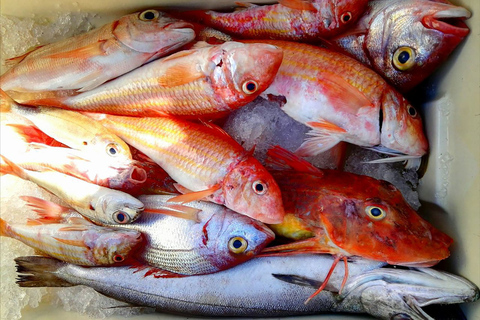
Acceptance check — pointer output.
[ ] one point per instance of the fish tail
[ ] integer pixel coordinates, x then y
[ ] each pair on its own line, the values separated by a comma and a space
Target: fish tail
8, 167
4, 228
39, 272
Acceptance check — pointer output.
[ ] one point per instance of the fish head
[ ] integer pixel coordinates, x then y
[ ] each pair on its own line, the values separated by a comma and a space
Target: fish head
232, 238
340, 15
114, 246
115, 151
401, 126
118, 208
250, 190
397, 294
372, 219
407, 40
152, 31
241, 71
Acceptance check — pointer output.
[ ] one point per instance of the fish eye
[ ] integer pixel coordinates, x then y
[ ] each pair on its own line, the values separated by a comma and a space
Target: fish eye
250, 87
237, 245
112, 149
376, 213
148, 15
346, 16
121, 217
259, 187
118, 258
404, 58
412, 111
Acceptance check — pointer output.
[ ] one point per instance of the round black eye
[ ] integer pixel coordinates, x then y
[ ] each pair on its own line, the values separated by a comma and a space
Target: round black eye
412, 111
259, 187
237, 245
121, 217
376, 213
118, 258
346, 17
112, 149
149, 15
404, 58
250, 87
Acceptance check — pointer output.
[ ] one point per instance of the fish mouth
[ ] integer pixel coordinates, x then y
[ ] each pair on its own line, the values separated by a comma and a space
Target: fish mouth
450, 21
179, 26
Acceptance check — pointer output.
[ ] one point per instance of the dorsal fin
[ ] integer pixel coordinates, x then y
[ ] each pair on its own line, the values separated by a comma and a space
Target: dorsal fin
283, 159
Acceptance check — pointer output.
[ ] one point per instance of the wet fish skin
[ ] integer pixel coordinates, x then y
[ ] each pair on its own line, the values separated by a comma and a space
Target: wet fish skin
416, 26
409, 290
86, 61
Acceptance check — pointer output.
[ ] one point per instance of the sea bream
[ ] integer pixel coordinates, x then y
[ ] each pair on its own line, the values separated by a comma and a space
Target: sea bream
86, 61
295, 20
405, 40
265, 287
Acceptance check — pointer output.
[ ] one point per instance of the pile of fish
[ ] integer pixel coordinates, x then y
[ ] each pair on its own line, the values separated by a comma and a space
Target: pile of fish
123, 125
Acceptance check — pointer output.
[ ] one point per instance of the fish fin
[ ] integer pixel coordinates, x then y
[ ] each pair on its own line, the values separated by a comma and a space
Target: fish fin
80, 221
3, 228
176, 210
39, 272
48, 212
33, 222
213, 126
179, 74
32, 134
53, 98
325, 136
195, 195
81, 227
244, 4
298, 4
92, 50
6, 102
8, 167
76, 243
325, 282
93, 80
298, 280
310, 245
284, 159
9, 63
160, 273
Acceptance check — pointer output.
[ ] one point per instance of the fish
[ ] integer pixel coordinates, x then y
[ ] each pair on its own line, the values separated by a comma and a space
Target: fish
265, 287
84, 62
345, 214
207, 82
406, 40
80, 243
204, 161
340, 99
73, 130
97, 203
294, 20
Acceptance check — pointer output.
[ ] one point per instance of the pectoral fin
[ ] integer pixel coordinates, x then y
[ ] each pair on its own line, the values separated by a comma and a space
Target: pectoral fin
195, 195
325, 135
286, 160
176, 210
179, 74
298, 4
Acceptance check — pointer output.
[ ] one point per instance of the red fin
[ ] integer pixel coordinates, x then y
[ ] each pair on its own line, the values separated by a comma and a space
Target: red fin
181, 73
322, 124
76, 243
176, 210
9, 63
325, 136
324, 284
279, 157
160, 273
49, 212
3, 228
310, 245
244, 4
32, 222
195, 195
298, 4
87, 52
32, 134
8, 167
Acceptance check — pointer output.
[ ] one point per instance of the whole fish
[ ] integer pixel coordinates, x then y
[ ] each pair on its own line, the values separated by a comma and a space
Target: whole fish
86, 61
75, 131
205, 162
345, 214
405, 40
79, 243
264, 287
342, 100
99, 204
209, 81
295, 20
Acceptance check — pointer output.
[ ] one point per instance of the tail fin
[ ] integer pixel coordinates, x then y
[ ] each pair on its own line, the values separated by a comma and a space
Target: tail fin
8, 167
35, 271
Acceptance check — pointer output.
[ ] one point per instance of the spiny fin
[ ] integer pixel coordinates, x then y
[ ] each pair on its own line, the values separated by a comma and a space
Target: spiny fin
76, 243
176, 210
180, 74
39, 272
49, 212
298, 4
284, 159
195, 195
9, 63
325, 136
90, 51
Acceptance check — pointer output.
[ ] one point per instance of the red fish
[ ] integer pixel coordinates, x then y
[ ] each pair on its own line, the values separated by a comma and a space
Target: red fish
345, 214
296, 20
405, 40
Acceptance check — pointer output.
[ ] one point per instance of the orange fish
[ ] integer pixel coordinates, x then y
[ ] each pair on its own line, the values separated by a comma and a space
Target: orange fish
345, 214
205, 161
86, 61
208, 81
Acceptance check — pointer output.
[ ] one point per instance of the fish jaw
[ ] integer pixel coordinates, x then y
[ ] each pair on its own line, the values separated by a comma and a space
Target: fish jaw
390, 293
460, 29
240, 194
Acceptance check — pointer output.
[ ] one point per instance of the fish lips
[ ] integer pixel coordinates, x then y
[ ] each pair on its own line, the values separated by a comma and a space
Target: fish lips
455, 24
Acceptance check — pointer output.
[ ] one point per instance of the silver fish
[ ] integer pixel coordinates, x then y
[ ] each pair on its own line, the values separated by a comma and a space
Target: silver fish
274, 286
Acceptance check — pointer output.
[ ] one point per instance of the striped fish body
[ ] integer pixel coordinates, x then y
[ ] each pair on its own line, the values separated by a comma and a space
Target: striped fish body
82, 244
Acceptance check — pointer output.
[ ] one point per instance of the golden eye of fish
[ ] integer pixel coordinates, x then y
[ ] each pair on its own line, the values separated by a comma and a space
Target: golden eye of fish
118, 258
404, 58
148, 15
121, 217
376, 213
237, 245
112, 149
346, 17
250, 87
259, 187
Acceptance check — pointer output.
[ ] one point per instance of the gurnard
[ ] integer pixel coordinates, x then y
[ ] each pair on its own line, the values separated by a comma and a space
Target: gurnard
205, 162
86, 61
205, 82
275, 286
342, 100
405, 40
295, 20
